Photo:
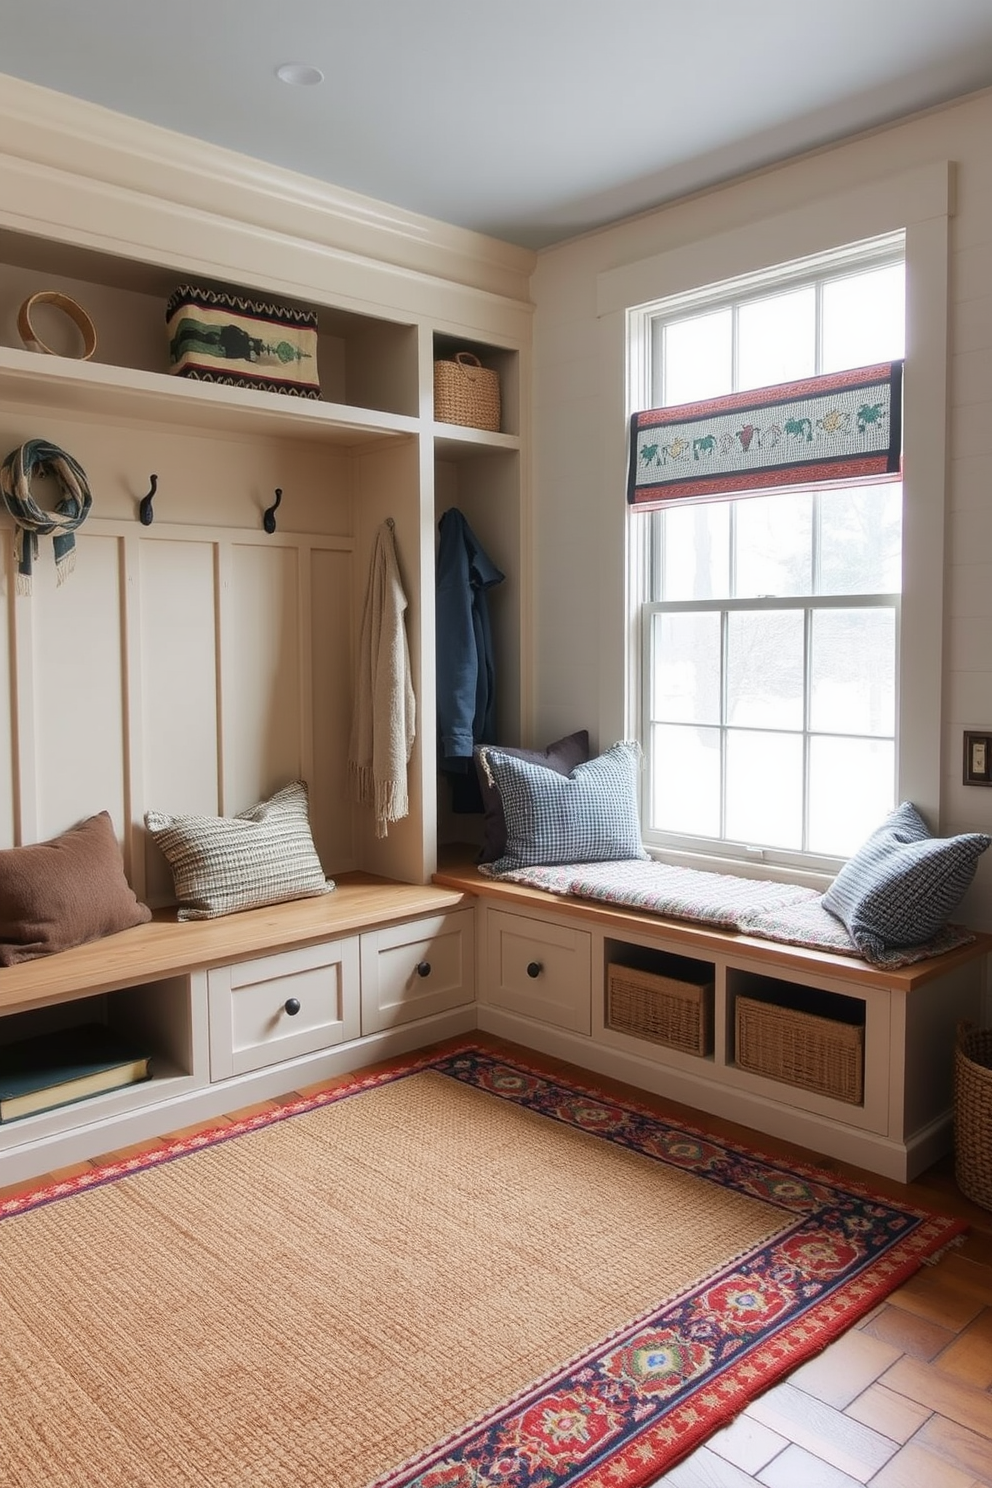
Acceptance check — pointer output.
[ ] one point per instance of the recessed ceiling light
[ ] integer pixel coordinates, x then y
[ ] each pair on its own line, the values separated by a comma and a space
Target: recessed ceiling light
299, 74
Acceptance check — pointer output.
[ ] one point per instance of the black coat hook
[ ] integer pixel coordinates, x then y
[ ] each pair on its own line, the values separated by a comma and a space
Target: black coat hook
145, 514
269, 519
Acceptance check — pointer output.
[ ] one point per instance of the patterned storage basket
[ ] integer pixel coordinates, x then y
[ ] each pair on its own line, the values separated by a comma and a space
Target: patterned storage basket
820, 1053
221, 336
973, 1113
665, 1009
466, 392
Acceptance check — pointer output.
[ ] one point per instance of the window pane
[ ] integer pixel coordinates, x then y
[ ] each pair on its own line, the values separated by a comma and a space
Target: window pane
765, 669
696, 549
861, 540
853, 672
851, 791
776, 339
685, 681
685, 781
698, 362
774, 546
864, 318
765, 789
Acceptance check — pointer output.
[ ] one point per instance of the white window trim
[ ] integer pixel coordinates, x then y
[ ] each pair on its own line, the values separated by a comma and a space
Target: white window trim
920, 203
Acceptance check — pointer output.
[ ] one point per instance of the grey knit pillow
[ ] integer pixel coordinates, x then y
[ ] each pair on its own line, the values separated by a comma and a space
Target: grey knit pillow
264, 855
902, 885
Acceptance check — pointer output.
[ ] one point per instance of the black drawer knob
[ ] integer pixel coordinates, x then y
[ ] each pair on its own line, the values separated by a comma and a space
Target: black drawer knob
424, 969
292, 1006
534, 968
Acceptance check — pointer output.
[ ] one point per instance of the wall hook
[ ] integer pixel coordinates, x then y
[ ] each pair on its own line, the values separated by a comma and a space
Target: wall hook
269, 518
145, 513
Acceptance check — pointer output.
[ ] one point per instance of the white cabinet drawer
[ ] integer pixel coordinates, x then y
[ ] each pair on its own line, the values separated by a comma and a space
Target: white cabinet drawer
539, 969
411, 971
279, 1007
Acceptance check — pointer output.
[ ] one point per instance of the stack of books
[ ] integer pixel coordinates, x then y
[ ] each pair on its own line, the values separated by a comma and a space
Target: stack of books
68, 1064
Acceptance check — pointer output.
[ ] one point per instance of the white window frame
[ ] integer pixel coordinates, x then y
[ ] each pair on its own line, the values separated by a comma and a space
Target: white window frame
643, 339
917, 202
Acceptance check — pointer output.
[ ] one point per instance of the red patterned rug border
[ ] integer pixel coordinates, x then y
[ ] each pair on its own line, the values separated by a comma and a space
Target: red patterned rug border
635, 1448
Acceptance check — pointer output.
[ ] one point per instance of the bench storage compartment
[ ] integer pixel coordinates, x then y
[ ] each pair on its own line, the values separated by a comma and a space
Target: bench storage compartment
819, 1047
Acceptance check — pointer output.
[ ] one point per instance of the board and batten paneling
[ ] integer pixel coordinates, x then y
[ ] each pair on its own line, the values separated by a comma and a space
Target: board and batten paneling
181, 669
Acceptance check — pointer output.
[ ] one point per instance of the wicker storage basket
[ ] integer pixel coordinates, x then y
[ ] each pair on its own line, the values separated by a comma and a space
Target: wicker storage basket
665, 1009
466, 392
973, 1113
801, 1048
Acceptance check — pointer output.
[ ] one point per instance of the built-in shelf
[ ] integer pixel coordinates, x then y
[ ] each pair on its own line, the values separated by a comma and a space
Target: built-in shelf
65, 385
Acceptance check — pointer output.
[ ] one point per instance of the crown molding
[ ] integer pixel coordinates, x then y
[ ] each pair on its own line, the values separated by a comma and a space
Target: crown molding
54, 130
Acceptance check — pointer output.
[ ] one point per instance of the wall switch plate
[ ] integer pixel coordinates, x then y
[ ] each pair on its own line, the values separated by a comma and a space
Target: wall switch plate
977, 758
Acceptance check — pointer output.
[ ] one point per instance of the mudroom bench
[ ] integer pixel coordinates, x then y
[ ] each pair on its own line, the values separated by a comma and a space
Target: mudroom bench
242, 1008
846, 1058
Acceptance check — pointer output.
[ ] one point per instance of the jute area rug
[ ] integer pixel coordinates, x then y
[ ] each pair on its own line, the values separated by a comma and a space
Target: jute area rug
461, 1273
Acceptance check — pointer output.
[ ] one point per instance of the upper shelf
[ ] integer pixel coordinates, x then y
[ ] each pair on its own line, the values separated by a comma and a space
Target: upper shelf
67, 385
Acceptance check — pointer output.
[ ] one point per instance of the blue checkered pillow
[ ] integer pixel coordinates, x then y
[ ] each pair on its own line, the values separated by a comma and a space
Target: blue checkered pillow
901, 886
588, 816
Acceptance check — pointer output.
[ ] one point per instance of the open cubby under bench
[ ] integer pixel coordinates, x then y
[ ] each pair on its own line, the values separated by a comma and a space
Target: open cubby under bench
241, 1008
849, 1059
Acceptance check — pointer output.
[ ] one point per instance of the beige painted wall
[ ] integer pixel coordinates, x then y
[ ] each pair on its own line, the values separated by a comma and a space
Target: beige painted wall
578, 409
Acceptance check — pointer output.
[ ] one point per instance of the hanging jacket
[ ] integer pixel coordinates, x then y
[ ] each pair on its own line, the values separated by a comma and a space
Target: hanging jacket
466, 678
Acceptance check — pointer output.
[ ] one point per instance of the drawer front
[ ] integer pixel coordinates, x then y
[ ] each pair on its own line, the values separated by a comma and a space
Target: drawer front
412, 971
279, 1007
539, 969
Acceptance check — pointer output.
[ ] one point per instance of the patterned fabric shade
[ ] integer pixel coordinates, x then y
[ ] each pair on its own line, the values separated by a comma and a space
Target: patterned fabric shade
839, 428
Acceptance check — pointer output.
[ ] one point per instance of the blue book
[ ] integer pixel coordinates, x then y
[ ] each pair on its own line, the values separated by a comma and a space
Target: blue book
68, 1064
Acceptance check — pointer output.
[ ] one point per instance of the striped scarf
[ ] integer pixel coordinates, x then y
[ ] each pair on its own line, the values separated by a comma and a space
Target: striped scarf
38, 456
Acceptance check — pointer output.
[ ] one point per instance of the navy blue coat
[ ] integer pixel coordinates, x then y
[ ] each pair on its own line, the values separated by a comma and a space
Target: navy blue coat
466, 674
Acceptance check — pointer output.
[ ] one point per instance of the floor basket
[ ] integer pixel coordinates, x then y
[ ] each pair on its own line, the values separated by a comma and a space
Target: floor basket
664, 1009
973, 1113
466, 392
801, 1048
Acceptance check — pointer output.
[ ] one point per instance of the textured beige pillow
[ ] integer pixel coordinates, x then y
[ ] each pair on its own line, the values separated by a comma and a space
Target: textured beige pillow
225, 863
63, 892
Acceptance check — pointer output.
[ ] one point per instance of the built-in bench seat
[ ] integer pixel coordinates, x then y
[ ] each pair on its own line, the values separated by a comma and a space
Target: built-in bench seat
242, 1008
544, 978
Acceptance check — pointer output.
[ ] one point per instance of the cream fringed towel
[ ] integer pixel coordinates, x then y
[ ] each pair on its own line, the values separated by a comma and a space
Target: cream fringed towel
383, 727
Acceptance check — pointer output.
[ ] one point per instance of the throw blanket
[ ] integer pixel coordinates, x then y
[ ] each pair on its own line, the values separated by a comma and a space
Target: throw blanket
383, 726
789, 913
38, 456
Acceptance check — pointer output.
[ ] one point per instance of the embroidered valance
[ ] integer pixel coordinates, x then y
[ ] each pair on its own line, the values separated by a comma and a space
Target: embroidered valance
841, 427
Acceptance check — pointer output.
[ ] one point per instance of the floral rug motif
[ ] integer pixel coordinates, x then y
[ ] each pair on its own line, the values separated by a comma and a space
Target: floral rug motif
624, 1413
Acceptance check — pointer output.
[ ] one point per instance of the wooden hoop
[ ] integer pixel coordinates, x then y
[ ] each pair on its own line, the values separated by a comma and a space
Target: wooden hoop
62, 302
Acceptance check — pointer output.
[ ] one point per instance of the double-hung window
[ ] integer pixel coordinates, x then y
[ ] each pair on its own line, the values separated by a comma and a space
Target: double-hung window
768, 621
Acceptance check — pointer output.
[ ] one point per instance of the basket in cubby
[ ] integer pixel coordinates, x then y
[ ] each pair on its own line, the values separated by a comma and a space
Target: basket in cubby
973, 1113
675, 1010
800, 1046
466, 393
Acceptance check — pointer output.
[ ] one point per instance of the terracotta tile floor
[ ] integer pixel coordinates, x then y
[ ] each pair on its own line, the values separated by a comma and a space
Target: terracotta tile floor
904, 1400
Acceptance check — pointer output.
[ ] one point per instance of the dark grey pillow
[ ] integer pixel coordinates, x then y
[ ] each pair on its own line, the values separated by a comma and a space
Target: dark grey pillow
562, 756
901, 886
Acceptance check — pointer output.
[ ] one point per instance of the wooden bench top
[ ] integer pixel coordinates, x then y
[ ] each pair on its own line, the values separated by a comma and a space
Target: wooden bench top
169, 947
705, 940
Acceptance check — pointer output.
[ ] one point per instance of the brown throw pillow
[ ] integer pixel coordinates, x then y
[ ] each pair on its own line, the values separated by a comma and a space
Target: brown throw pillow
60, 893
562, 756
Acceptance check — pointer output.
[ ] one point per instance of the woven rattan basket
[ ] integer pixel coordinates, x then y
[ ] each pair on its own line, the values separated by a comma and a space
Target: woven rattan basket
973, 1113
466, 392
664, 1009
801, 1048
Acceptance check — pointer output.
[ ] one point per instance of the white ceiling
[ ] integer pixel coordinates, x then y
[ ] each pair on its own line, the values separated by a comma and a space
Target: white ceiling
530, 120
